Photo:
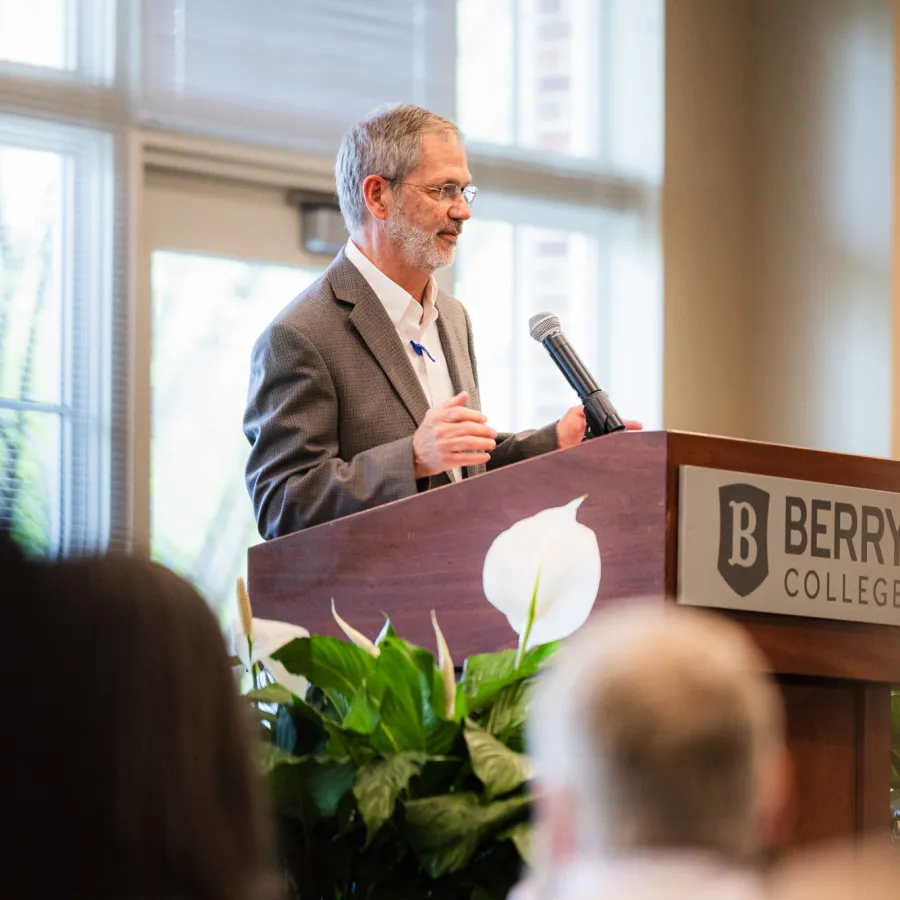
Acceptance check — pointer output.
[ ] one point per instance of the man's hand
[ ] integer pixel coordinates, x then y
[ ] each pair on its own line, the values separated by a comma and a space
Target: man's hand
570, 428
452, 435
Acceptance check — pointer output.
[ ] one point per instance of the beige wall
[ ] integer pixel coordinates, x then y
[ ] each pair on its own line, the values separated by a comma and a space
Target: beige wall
706, 217
777, 222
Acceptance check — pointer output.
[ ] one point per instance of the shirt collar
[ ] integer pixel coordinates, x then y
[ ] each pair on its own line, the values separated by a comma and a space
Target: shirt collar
402, 308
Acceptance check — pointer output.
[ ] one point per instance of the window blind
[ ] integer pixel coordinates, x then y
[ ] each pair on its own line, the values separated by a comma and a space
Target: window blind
294, 74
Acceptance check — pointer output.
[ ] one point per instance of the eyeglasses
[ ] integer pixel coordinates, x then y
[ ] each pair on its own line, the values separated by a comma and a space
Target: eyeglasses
448, 193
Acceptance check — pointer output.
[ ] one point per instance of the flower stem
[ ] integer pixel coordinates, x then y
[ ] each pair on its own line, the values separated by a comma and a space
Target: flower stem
253, 667
532, 609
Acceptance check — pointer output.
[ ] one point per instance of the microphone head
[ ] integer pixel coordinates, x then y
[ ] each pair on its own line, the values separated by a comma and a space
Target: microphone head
542, 325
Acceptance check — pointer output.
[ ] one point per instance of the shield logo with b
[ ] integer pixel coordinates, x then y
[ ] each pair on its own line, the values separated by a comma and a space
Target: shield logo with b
743, 537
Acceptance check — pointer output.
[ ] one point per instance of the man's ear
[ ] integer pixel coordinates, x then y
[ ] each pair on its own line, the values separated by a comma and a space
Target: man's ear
375, 193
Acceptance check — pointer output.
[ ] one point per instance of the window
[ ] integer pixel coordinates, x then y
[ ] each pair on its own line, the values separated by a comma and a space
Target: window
63, 277
522, 257
76, 38
37, 33
571, 78
207, 312
575, 108
56, 217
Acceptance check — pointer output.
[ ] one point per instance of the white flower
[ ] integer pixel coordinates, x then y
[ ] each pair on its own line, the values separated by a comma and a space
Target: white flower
354, 636
548, 558
255, 640
445, 664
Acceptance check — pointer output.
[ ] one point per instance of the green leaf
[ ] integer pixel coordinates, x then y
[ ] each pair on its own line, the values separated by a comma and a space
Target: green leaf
498, 768
438, 775
268, 756
440, 733
309, 724
403, 683
363, 715
445, 831
520, 834
271, 693
409, 671
343, 745
441, 737
310, 788
318, 701
399, 729
507, 714
378, 784
285, 732
462, 703
484, 676
329, 664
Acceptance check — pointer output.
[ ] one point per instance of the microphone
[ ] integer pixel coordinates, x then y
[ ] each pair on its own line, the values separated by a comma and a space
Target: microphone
599, 412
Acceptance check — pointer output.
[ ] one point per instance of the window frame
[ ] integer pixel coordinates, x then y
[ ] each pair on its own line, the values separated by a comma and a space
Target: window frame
85, 409
92, 41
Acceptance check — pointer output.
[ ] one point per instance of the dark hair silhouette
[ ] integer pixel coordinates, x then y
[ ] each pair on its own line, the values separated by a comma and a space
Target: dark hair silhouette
127, 760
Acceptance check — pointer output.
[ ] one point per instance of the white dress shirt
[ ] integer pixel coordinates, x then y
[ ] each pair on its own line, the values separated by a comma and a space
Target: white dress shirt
414, 321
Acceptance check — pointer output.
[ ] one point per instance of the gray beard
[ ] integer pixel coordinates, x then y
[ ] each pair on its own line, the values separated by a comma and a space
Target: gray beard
421, 249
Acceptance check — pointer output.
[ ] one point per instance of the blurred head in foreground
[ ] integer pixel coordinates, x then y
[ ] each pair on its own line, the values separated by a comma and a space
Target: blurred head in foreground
657, 731
126, 753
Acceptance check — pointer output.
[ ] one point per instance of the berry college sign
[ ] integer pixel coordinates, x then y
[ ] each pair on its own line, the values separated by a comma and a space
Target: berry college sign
798, 548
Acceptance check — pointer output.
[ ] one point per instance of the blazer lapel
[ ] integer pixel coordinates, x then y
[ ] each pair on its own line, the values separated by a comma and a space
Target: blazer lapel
371, 320
461, 376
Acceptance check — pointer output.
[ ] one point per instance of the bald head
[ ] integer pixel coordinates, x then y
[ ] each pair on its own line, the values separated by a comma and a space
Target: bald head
660, 728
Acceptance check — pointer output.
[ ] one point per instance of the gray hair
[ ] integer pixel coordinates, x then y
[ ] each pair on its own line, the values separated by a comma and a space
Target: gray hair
387, 142
663, 727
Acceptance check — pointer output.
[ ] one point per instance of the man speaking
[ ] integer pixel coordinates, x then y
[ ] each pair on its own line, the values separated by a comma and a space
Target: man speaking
364, 389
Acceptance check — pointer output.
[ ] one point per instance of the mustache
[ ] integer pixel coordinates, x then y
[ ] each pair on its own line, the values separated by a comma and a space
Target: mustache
456, 228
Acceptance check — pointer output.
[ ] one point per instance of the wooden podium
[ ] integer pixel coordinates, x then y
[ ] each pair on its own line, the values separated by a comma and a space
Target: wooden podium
427, 552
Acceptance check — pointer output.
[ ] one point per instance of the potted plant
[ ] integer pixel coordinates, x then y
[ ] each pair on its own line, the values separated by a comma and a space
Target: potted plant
389, 777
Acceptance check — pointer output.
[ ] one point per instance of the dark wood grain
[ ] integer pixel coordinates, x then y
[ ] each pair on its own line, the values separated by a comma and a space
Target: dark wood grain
839, 738
873, 775
822, 737
427, 552
783, 461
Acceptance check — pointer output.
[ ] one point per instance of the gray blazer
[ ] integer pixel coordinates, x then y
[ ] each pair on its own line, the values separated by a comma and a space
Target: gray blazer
333, 404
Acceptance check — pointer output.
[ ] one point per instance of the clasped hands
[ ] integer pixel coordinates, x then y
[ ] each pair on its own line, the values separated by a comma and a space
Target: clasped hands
452, 435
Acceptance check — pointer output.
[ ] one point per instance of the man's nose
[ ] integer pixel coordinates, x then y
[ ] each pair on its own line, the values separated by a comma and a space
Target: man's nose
460, 209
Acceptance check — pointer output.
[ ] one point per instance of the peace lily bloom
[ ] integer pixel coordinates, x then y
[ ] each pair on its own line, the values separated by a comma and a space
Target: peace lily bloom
255, 640
354, 636
445, 664
543, 574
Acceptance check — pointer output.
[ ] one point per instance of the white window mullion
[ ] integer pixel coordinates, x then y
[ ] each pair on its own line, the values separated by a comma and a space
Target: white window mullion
71, 258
